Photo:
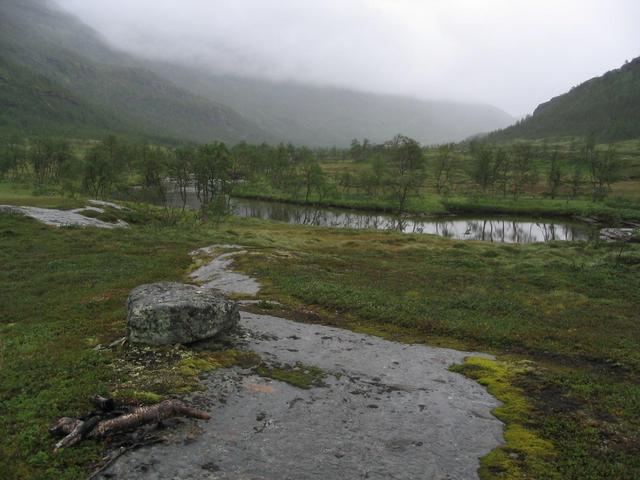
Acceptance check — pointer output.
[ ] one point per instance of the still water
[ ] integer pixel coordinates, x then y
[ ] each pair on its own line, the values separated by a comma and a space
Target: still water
491, 229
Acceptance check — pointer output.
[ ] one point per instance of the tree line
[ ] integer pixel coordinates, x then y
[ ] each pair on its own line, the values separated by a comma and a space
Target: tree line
508, 170
396, 170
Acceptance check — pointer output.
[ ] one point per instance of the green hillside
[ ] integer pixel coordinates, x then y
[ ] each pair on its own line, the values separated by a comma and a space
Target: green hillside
31, 104
608, 106
43, 43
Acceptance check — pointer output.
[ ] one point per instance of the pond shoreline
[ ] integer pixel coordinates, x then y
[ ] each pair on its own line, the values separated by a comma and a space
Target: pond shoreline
494, 228
450, 210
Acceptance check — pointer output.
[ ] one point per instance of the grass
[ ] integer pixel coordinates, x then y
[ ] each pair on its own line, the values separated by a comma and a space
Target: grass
610, 211
23, 195
568, 309
299, 375
574, 299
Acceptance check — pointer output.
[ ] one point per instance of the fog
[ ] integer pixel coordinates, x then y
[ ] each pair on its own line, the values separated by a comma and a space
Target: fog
512, 54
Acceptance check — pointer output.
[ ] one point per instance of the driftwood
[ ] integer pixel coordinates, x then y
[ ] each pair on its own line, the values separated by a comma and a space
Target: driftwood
64, 426
142, 415
81, 430
101, 426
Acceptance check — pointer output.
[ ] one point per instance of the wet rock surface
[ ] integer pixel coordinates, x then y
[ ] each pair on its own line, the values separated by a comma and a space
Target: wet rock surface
217, 274
386, 410
62, 218
167, 313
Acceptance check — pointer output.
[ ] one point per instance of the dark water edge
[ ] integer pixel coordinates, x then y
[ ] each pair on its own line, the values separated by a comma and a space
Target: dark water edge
497, 229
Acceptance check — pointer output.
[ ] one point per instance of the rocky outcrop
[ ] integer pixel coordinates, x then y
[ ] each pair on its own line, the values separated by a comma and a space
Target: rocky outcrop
62, 218
168, 313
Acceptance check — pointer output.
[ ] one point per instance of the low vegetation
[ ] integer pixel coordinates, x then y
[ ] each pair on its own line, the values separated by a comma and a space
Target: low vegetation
578, 178
298, 375
568, 308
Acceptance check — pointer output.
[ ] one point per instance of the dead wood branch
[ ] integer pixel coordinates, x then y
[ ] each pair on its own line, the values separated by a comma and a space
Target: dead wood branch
81, 430
100, 427
64, 426
154, 413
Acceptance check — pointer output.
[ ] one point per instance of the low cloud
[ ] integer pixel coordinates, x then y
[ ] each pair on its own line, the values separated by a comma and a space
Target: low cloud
512, 54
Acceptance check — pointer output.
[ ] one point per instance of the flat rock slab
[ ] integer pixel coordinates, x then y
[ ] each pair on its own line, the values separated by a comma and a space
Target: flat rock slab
217, 275
167, 313
388, 410
60, 218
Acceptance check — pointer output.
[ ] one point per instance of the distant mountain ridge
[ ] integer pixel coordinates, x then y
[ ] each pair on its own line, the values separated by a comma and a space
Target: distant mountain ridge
327, 116
62, 78
608, 106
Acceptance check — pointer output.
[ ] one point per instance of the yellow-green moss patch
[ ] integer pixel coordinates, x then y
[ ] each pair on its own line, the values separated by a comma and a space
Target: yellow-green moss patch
171, 370
525, 454
299, 375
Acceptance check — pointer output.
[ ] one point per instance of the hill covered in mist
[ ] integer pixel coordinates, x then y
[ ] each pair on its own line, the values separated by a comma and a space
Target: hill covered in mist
608, 106
63, 78
326, 116
60, 77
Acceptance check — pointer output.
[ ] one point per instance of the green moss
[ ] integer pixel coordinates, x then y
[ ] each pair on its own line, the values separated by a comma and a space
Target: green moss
397, 333
203, 362
299, 375
170, 370
525, 454
265, 305
135, 396
105, 216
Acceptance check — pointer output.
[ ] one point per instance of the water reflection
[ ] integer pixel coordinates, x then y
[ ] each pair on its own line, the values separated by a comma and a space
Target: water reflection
497, 229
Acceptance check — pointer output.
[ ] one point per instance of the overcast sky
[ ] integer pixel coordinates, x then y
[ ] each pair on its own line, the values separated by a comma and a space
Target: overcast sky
513, 54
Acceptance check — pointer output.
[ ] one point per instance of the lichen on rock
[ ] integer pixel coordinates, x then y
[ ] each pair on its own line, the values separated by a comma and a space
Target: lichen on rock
166, 313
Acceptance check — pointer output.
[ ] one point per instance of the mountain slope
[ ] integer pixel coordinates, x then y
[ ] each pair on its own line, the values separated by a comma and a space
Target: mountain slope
50, 44
113, 91
32, 104
329, 116
608, 106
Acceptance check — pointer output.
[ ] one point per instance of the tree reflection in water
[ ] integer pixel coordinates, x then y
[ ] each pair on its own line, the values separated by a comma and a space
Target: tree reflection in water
499, 230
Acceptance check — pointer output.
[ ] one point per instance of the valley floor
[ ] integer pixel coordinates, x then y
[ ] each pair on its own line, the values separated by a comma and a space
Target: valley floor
561, 318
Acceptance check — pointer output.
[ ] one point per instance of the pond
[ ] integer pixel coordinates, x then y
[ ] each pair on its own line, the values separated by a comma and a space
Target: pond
498, 229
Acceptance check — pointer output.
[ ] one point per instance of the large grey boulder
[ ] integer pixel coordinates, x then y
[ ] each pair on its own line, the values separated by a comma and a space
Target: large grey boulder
166, 313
